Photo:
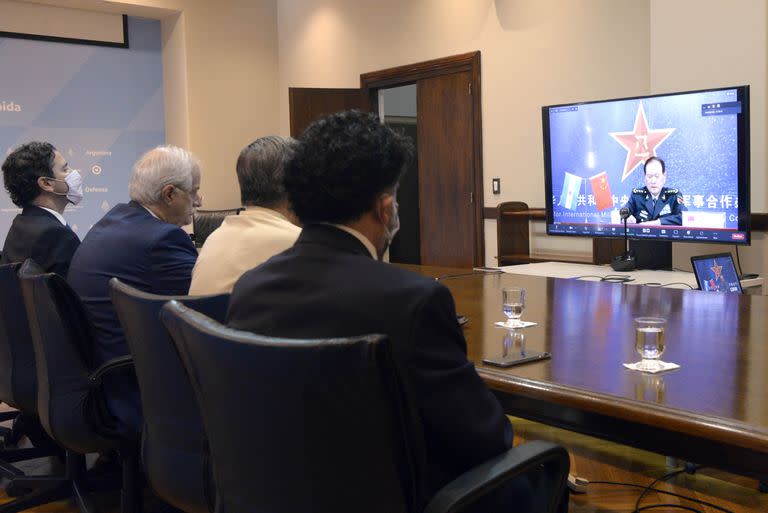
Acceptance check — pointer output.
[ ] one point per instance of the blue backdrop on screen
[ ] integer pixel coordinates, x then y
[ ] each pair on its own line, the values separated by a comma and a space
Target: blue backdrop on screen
700, 152
101, 107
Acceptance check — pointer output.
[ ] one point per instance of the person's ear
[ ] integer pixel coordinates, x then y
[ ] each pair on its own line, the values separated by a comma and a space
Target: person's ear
384, 208
45, 184
166, 194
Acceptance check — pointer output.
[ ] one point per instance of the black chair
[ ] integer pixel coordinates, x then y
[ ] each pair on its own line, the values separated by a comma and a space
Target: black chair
18, 383
174, 447
204, 222
18, 388
70, 403
322, 426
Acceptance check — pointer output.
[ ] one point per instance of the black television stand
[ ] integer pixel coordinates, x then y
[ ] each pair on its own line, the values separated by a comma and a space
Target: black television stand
651, 254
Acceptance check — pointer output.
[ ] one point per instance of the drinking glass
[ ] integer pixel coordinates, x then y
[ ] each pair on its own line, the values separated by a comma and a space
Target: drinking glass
513, 304
650, 341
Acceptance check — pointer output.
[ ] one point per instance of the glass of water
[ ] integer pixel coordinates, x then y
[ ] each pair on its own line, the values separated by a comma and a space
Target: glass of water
650, 341
513, 304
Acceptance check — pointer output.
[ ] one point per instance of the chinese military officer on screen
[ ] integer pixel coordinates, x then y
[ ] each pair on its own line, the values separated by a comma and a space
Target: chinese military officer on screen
655, 204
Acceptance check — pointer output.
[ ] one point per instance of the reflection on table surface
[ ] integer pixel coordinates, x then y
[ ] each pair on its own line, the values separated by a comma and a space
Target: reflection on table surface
719, 340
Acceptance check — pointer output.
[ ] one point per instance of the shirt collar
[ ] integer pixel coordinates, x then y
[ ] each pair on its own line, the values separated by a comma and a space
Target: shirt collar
359, 236
56, 215
150, 212
253, 209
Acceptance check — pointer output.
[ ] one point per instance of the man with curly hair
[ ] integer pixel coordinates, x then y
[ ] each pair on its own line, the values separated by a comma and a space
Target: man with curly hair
39, 180
342, 184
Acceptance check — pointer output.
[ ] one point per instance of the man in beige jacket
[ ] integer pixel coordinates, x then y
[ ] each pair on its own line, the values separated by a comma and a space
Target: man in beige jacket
265, 228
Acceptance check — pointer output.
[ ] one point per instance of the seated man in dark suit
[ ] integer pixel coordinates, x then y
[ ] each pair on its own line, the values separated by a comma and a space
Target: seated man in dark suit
142, 244
342, 183
39, 180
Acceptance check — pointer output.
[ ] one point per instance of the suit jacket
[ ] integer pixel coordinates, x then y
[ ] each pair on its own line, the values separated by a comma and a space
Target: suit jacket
241, 243
668, 208
37, 234
327, 285
154, 256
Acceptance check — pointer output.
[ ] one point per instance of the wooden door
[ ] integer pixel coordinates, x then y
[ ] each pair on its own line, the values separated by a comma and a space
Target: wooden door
449, 136
306, 104
446, 170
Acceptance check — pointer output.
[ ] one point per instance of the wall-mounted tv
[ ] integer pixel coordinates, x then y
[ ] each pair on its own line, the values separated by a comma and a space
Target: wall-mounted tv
595, 155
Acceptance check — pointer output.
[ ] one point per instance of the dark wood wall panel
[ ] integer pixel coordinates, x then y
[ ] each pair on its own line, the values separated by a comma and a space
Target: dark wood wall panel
414, 72
759, 219
605, 249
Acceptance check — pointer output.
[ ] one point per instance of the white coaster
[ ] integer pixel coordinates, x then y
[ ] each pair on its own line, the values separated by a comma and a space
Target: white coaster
663, 366
515, 324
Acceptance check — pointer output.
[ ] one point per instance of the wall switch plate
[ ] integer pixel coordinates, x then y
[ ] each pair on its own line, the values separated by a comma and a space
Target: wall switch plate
496, 186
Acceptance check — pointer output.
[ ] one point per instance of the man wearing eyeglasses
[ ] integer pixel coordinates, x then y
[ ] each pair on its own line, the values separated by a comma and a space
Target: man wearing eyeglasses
141, 243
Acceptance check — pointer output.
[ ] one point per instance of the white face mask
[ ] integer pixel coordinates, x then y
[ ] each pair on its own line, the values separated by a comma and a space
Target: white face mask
394, 226
394, 223
74, 186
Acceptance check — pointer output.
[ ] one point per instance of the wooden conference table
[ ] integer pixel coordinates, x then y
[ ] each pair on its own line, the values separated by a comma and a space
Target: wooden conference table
713, 410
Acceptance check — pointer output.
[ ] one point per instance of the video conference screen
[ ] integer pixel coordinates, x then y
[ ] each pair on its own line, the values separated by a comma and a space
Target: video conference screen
595, 157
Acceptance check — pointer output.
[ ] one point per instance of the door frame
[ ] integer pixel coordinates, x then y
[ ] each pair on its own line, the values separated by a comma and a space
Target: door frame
371, 82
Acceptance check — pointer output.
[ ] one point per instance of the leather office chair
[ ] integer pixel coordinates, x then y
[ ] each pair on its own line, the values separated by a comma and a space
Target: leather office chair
323, 426
174, 447
69, 399
204, 222
18, 388
18, 382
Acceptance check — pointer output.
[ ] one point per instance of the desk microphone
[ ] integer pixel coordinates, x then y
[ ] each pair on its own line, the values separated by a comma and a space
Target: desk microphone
626, 261
624, 213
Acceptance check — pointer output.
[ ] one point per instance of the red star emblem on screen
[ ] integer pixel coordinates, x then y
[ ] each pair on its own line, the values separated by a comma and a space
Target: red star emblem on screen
641, 142
717, 269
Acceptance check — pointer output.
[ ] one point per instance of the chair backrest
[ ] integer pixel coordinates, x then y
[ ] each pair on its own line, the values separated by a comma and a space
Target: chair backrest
174, 445
296, 425
18, 381
204, 222
70, 410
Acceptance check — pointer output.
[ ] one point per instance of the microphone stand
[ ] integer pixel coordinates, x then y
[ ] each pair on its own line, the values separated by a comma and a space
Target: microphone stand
625, 261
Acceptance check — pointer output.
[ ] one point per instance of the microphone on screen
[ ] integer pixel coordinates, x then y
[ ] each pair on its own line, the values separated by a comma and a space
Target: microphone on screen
624, 213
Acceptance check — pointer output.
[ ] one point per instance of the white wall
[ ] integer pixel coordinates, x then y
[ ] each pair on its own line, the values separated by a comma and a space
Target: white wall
697, 44
534, 53
220, 78
228, 66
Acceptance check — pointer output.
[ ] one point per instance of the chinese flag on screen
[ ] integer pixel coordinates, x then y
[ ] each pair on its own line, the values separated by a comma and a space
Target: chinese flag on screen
601, 191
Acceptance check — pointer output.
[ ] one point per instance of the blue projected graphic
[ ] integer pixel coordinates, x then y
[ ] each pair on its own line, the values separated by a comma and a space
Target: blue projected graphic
597, 151
100, 107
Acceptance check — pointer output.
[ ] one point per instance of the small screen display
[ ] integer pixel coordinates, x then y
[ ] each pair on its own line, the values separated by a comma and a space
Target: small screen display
716, 273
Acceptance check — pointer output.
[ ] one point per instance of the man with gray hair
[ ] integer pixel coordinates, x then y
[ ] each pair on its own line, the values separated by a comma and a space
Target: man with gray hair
142, 244
265, 228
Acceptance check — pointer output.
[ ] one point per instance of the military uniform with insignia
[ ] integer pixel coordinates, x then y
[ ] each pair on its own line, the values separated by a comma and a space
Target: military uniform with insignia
668, 207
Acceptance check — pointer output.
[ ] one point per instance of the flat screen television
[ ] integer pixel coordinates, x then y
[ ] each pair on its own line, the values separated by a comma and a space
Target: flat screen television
594, 160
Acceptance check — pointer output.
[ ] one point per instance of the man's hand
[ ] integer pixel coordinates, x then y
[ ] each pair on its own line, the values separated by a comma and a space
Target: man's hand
631, 220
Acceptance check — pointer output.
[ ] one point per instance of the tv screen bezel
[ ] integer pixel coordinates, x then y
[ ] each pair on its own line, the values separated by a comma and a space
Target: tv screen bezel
743, 166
